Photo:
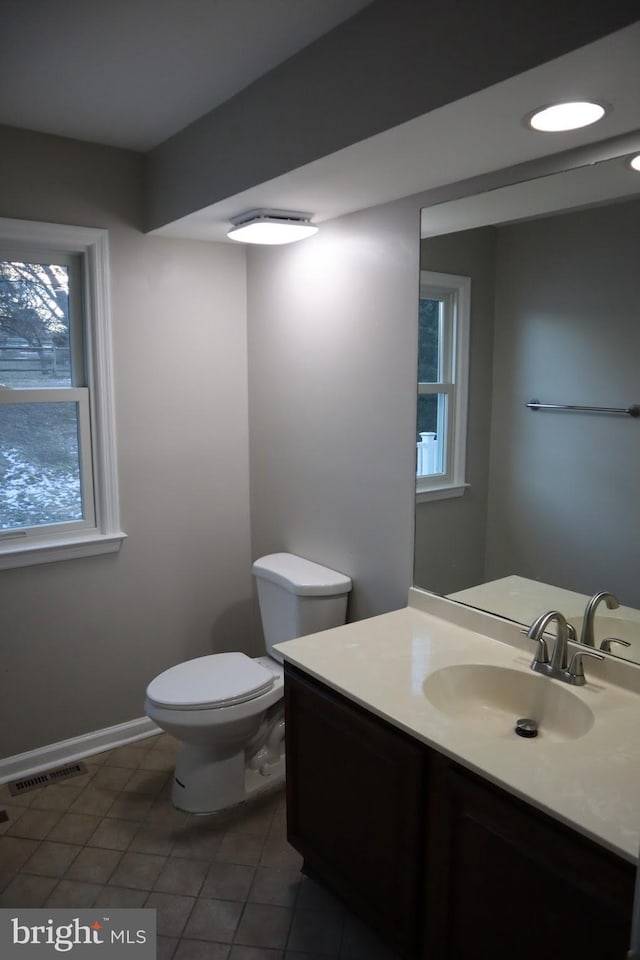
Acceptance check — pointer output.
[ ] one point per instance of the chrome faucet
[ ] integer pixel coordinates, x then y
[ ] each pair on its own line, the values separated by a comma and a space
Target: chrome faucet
558, 666
587, 636
559, 659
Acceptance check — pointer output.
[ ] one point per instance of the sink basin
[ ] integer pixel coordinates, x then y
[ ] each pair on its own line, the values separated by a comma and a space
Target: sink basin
489, 699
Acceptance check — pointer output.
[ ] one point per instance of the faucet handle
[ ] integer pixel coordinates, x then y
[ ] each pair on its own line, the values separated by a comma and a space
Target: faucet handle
575, 673
606, 643
572, 633
542, 649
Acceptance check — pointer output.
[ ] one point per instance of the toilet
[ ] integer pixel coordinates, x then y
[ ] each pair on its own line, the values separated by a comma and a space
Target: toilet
227, 709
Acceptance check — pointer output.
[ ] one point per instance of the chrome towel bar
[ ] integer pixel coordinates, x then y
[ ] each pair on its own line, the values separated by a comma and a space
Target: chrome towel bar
633, 411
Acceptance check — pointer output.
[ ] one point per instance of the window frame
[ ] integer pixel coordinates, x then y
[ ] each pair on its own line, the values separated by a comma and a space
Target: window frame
104, 535
455, 292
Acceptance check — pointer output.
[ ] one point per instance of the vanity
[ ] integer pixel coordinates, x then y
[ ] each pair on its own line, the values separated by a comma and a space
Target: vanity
412, 798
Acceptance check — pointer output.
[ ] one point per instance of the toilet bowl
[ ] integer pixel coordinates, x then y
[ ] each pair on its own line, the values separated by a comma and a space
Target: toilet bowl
227, 709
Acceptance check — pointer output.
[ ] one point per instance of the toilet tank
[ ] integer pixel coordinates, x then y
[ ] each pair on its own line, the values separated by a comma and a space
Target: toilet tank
297, 597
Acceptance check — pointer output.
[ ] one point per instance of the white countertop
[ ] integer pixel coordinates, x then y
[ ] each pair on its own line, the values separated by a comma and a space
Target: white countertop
592, 783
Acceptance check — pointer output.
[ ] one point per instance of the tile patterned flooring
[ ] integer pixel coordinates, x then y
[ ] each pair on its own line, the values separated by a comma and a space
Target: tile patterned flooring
225, 887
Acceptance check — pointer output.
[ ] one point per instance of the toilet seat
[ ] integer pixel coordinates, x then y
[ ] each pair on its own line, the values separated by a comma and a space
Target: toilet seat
218, 680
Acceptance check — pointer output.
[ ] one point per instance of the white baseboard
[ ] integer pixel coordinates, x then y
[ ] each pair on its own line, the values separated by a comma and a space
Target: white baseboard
23, 765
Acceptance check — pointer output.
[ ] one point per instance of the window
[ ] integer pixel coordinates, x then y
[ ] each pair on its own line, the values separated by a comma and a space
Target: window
58, 479
443, 363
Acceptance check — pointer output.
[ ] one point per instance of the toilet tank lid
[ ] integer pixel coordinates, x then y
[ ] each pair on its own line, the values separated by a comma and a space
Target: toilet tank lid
301, 576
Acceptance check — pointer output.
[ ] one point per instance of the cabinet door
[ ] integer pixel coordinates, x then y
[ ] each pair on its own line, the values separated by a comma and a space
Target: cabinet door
508, 881
355, 806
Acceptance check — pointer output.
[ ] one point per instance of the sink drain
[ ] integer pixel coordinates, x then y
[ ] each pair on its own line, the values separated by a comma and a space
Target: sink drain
526, 728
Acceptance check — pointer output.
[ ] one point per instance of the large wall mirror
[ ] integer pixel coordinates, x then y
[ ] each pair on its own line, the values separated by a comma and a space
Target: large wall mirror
548, 510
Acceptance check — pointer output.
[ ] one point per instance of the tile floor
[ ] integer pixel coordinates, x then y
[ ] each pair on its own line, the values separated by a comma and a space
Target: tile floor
225, 887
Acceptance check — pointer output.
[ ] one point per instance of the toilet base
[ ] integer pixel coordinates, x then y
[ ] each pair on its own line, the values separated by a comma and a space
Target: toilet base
256, 783
206, 784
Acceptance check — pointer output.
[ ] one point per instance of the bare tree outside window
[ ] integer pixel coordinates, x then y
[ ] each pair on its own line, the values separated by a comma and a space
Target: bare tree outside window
34, 323
39, 453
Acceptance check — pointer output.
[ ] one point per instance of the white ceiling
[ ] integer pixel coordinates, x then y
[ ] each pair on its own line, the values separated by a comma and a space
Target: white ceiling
130, 73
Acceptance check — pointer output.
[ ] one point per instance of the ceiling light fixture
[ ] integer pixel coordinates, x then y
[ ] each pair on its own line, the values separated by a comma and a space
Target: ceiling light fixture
566, 116
271, 226
634, 163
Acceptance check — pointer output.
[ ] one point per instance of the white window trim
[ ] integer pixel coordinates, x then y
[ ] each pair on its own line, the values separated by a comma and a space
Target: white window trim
107, 536
453, 484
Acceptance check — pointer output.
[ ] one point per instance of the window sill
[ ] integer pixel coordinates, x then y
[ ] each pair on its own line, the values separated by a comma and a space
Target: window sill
441, 493
27, 554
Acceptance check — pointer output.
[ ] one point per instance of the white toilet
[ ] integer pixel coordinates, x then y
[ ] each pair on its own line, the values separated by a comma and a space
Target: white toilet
227, 709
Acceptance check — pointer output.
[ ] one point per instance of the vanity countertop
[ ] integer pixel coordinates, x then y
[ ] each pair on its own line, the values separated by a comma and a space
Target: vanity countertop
590, 783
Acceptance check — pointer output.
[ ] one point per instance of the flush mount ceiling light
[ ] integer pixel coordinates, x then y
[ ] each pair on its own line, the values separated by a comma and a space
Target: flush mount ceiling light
634, 163
271, 226
566, 116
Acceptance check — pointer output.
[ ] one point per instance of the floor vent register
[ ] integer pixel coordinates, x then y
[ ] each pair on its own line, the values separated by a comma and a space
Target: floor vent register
17, 787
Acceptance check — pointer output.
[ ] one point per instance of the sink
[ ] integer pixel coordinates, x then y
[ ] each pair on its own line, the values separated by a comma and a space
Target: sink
489, 699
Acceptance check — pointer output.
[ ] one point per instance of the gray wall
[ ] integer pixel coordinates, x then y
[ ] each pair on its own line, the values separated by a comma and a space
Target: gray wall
82, 638
563, 506
450, 535
332, 367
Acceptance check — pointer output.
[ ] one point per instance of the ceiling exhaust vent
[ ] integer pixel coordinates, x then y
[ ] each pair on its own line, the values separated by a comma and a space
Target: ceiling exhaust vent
17, 787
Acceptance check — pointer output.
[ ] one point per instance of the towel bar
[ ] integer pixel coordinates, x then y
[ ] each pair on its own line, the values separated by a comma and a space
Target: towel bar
633, 411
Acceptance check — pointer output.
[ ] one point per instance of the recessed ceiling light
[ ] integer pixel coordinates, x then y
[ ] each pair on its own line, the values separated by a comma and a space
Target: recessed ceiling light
271, 227
566, 116
635, 162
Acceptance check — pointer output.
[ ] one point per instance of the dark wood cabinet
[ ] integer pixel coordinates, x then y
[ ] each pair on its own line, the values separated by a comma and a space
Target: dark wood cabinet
355, 806
505, 880
442, 863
